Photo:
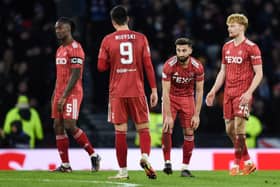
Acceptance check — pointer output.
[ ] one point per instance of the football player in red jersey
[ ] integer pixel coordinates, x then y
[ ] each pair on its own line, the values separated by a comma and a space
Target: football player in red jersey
127, 54
67, 95
182, 78
241, 70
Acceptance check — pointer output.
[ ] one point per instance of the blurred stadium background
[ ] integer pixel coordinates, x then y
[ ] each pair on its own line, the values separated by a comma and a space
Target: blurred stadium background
28, 45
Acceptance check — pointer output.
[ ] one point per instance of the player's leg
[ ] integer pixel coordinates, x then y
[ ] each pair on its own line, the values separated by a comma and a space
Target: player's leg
230, 130
62, 141
241, 113
117, 114
241, 151
167, 137
166, 149
188, 147
70, 115
62, 144
249, 166
185, 114
81, 138
139, 111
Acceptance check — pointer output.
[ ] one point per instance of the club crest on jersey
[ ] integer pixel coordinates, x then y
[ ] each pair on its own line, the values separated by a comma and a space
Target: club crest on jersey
60, 60
234, 59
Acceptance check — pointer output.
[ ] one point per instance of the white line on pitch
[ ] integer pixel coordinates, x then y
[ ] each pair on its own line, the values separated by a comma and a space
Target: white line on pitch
72, 180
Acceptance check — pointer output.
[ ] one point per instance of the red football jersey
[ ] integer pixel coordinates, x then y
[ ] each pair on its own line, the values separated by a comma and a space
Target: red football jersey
239, 61
182, 79
126, 53
67, 57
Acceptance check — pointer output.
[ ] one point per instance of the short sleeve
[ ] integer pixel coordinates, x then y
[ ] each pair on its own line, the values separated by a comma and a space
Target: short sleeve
223, 55
166, 72
76, 55
255, 55
200, 73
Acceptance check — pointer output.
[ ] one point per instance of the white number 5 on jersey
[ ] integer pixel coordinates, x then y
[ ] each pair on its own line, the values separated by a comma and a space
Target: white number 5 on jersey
126, 52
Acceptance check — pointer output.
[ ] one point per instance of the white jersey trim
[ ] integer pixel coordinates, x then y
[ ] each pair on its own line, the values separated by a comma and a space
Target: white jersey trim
229, 41
173, 61
194, 63
249, 42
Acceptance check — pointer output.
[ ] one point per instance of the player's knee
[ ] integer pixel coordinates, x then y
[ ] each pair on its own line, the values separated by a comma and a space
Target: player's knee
143, 130
188, 131
189, 137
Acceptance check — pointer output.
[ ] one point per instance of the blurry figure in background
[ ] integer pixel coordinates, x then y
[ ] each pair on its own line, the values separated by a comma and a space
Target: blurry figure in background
17, 137
29, 117
155, 130
253, 130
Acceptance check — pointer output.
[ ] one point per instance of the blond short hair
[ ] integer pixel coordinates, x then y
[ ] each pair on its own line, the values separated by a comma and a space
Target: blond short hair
238, 18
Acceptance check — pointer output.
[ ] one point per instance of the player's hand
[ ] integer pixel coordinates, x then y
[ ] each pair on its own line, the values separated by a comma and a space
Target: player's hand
154, 99
245, 98
195, 122
60, 104
167, 124
210, 98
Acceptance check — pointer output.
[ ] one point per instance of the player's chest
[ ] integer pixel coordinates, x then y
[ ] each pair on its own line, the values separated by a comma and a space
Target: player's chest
236, 55
61, 57
182, 76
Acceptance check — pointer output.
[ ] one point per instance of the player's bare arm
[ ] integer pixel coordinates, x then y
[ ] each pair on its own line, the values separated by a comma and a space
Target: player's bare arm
198, 103
168, 121
75, 74
218, 84
154, 97
247, 96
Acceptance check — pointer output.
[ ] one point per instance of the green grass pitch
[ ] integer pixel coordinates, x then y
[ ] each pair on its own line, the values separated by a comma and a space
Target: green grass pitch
137, 178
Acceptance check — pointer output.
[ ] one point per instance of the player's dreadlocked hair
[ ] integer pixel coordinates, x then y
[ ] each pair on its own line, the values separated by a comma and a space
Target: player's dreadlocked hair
119, 15
69, 22
184, 41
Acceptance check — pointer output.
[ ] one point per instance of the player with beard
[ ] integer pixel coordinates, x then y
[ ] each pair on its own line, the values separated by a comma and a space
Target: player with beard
182, 78
241, 70
67, 95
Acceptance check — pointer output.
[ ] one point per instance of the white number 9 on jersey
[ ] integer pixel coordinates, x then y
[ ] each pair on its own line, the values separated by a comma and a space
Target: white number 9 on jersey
126, 51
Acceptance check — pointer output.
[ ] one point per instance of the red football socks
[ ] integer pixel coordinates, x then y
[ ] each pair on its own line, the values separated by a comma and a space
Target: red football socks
62, 144
188, 148
239, 148
82, 139
121, 148
145, 141
166, 145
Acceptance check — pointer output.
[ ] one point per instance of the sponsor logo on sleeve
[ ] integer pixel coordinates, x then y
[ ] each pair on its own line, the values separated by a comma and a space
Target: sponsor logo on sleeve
61, 60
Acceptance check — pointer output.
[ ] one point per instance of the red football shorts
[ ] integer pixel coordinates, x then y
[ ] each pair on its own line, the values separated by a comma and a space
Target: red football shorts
233, 108
184, 107
119, 109
71, 108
